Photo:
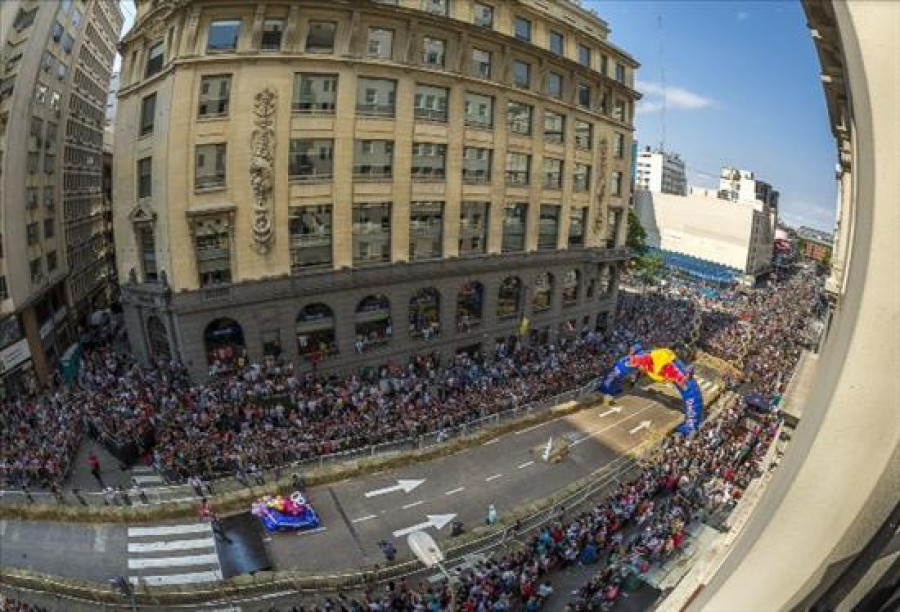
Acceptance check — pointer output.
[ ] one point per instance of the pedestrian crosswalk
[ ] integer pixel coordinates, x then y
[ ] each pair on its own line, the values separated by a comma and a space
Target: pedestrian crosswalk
173, 554
146, 477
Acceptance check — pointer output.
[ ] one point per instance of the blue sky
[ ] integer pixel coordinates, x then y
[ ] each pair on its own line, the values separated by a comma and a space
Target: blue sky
743, 89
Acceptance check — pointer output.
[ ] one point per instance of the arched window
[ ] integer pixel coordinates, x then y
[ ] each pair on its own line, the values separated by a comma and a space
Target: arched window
469, 306
509, 297
373, 322
425, 314
315, 332
158, 339
224, 340
571, 287
543, 292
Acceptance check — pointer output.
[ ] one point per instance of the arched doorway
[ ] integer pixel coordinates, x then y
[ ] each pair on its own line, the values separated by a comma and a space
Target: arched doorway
571, 287
469, 306
543, 292
373, 322
158, 339
509, 297
425, 314
316, 338
224, 341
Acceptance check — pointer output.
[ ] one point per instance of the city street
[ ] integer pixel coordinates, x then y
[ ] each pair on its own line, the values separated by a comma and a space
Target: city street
356, 514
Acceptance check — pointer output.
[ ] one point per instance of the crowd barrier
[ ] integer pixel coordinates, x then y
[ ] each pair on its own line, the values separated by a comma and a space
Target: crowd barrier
288, 461
268, 586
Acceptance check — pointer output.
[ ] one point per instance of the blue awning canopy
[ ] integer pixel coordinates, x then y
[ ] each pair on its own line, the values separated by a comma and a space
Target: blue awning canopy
699, 268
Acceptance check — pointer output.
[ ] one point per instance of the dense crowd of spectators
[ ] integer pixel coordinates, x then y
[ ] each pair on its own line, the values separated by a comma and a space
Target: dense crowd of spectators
640, 525
248, 418
262, 415
645, 522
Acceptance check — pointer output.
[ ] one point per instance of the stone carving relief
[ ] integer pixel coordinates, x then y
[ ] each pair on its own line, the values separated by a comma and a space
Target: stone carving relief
262, 161
210, 225
599, 217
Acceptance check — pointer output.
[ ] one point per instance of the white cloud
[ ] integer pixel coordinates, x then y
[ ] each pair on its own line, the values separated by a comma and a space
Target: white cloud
675, 98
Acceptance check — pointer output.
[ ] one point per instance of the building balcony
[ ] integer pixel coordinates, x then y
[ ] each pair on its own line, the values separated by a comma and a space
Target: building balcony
375, 110
430, 114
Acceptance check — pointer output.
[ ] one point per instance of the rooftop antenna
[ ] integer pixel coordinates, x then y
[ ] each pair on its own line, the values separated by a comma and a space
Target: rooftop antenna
662, 75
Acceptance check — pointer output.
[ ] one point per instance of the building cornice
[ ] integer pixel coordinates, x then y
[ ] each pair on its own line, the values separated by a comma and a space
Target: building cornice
154, 23
369, 277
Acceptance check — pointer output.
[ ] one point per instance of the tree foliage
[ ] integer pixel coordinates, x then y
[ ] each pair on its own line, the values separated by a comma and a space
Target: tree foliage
647, 266
637, 235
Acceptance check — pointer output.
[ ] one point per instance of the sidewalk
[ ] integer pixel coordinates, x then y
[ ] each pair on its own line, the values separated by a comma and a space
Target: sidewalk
81, 477
799, 386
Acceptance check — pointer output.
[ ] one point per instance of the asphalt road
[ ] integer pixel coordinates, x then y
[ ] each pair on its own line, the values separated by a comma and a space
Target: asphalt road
507, 472
356, 514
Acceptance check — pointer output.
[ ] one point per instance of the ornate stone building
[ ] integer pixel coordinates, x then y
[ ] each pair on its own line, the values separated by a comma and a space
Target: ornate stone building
344, 183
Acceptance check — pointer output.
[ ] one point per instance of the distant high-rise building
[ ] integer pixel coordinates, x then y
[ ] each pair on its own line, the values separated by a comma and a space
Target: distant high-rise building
660, 172
742, 186
55, 248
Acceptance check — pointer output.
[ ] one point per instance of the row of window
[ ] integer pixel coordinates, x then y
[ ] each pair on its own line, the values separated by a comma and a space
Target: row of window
523, 28
312, 160
36, 267
31, 198
316, 336
311, 236
32, 231
223, 36
317, 94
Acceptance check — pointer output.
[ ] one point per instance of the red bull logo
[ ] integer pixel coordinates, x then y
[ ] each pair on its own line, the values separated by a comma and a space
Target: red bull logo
642, 361
660, 365
672, 373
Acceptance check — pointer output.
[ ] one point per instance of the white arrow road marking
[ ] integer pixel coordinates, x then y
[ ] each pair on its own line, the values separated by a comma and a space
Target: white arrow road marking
614, 410
526, 464
594, 432
494, 477
455, 491
368, 517
546, 454
643, 425
402, 485
438, 521
413, 505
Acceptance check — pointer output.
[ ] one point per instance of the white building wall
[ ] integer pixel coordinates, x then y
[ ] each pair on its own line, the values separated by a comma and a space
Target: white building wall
708, 228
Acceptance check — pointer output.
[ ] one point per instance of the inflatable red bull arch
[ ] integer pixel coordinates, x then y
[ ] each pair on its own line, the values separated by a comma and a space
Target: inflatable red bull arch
661, 365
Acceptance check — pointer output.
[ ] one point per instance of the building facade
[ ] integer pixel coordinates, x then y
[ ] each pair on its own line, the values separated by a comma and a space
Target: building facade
815, 245
55, 225
739, 236
742, 186
355, 182
660, 172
